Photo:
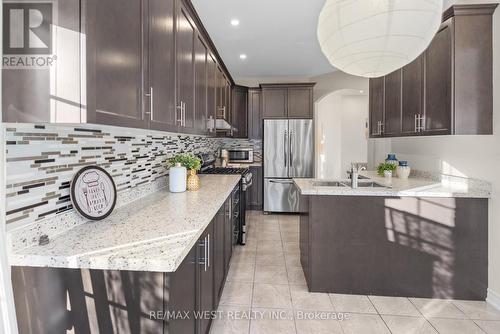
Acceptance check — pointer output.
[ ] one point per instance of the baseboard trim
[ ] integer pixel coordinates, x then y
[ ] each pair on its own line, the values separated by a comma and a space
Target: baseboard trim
493, 298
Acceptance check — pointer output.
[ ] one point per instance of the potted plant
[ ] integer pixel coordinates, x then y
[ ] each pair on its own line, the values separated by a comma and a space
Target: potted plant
386, 169
192, 164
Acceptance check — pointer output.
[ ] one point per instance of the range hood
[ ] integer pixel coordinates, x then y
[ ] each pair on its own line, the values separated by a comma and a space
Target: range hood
219, 124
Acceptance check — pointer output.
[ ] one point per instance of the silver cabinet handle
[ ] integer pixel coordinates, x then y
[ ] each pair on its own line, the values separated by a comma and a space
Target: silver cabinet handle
291, 149
422, 123
183, 113
178, 108
416, 123
208, 251
150, 96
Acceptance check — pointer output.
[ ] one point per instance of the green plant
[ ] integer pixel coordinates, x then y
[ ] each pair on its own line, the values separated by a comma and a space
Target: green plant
384, 166
188, 160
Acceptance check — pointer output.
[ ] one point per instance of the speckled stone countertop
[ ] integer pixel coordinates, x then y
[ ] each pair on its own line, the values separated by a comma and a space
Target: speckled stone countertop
154, 233
395, 187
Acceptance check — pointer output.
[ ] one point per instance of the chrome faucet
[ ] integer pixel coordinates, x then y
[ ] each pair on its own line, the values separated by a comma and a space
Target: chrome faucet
355, 169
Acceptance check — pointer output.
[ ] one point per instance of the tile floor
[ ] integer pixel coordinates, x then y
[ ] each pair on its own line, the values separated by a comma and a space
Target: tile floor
265, 280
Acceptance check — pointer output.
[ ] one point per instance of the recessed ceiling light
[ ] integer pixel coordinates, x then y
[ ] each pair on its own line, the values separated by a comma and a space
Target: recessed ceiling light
235, 22
243, 56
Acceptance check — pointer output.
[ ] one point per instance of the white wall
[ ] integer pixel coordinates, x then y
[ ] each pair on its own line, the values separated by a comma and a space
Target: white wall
341, 138
472, 156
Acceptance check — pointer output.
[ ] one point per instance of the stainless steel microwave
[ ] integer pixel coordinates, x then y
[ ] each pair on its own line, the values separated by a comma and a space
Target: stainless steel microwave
240, 155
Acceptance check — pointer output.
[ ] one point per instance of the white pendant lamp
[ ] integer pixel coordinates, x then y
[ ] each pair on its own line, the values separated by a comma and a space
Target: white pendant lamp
372, 38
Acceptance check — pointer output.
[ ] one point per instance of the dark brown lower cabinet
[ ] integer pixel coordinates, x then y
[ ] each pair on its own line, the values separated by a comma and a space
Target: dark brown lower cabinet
406, 246
254, 196
55, 300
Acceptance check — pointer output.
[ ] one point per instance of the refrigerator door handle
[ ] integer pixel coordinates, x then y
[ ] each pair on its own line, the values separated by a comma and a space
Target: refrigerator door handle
281, 181
284, 147
291, 149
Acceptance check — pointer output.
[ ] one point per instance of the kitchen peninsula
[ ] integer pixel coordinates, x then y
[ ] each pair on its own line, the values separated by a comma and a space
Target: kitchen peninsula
420, 237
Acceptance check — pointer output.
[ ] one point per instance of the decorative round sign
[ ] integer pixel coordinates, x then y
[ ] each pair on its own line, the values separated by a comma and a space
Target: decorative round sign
93, 192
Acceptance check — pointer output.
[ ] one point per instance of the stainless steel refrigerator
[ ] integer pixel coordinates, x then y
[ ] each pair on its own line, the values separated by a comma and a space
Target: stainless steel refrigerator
288, 153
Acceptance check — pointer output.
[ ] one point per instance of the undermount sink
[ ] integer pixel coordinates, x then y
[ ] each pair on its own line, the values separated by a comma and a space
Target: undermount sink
329, 184
370, 184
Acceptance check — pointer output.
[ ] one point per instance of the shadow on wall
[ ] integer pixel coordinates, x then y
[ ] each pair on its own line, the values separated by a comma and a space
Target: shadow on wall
341, 132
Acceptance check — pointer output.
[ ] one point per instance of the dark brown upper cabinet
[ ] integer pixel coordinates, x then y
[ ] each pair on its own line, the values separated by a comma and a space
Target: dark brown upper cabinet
412, 93
149, 64
287, 100
201, 84
448, 89
115, 43
392, 104
239, 111
376, 92
162, 62
255, 113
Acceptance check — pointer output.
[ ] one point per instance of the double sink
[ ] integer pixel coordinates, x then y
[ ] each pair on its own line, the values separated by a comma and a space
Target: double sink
347, 183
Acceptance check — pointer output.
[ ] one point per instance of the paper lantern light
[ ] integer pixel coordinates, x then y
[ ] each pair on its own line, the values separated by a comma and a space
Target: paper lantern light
372, 38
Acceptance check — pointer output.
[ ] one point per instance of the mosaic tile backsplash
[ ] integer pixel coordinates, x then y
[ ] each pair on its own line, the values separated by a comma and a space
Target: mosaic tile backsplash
42, 159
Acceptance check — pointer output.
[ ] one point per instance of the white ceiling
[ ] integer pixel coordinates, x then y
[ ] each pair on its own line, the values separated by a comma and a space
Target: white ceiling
278, 36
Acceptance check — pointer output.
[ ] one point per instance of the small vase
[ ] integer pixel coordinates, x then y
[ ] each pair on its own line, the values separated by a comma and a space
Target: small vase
177, 178
387, 173
193, 180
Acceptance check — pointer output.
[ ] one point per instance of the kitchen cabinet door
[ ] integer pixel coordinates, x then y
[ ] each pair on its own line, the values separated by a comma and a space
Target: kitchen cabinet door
162, 66
201, 85
412, 95
376, 106
206, 269
300, 102
218, 240
239, 111
227, 99
185, 36
211, 92
392, 109
438, 78
180, 294
274, 102
254, 198
115, 46
222, 110
254, 114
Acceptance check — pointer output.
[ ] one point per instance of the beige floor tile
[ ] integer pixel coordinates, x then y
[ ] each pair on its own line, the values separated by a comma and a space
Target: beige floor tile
437, 308
316, 326
290, 237
266, 251
271, 259
352, 303
292, 260
251, 243
455, 326
296, 275
269, 235
268, 227
305, 300
273, 321
364, 324
269, 245
237, 293
289, 228
291, 247
271, 274
489, 326
272, 296
241, 272
292, 219
231, 321
243, 257
478, 310
394, 306
408, 325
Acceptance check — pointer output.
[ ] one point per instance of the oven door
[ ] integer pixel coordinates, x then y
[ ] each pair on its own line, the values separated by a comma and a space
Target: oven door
236, 156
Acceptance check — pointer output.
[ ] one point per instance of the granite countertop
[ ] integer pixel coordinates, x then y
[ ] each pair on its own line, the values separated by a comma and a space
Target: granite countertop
154, 233
395, 187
